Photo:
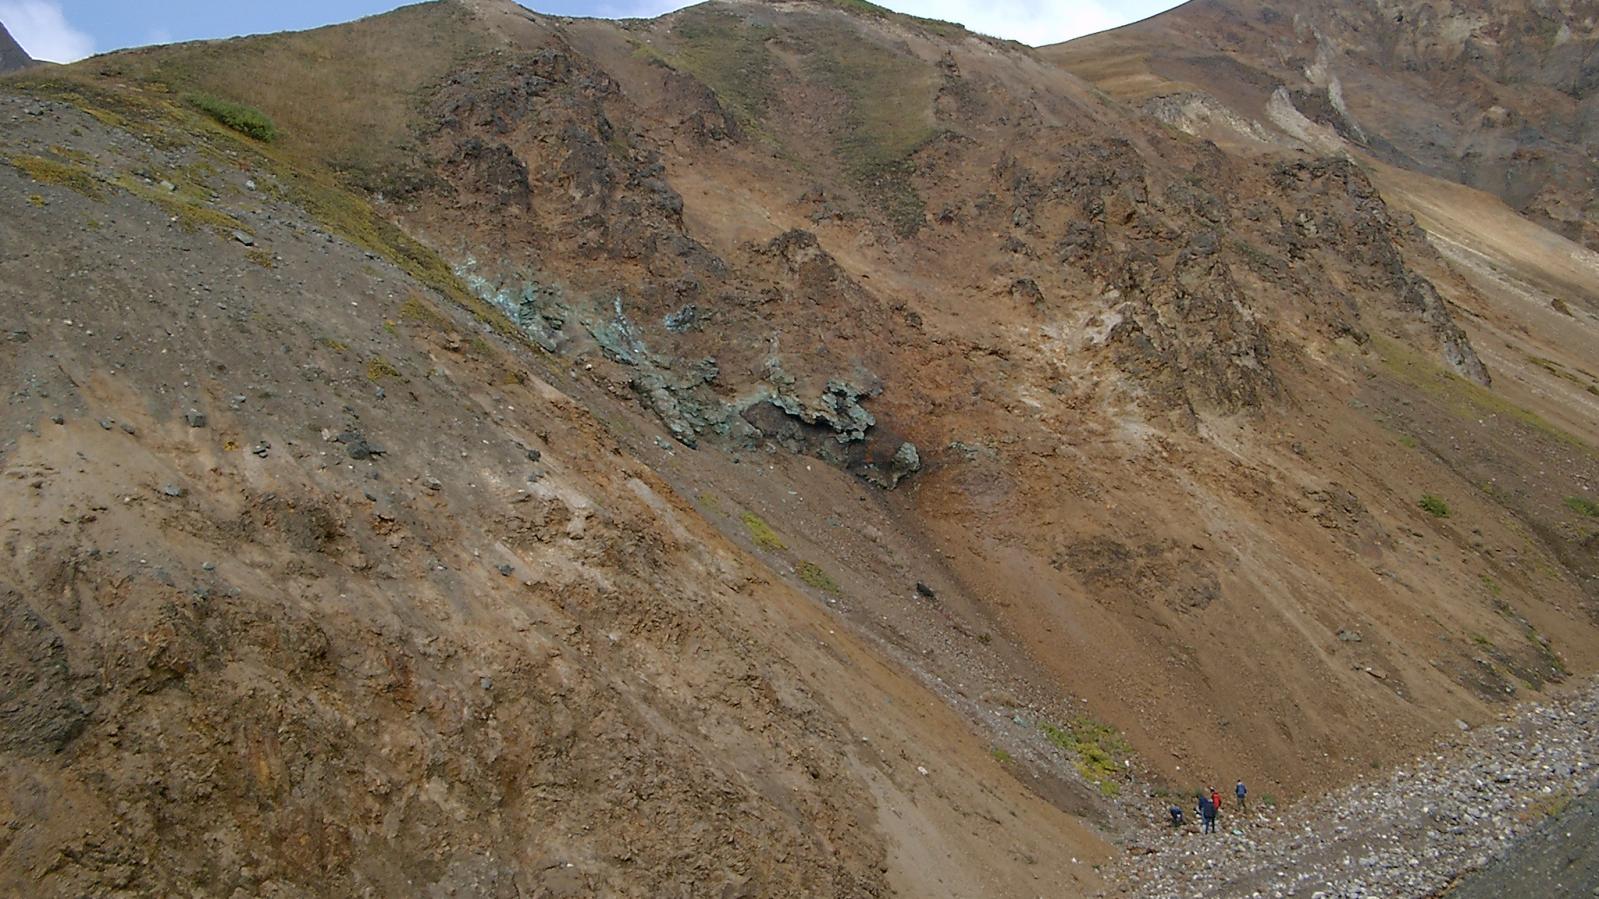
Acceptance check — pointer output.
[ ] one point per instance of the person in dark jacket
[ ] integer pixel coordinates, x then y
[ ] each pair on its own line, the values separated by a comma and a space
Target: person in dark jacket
1176, 815
1207, 813
1241, 792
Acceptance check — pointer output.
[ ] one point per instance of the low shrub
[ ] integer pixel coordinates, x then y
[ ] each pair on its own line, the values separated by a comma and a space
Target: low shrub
246, 120
1583, 506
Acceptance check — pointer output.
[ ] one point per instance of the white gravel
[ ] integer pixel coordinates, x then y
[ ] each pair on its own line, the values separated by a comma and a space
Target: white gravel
1412, 832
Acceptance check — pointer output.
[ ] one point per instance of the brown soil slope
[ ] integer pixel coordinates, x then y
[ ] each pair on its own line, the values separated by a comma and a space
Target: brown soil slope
902, 404
316, 584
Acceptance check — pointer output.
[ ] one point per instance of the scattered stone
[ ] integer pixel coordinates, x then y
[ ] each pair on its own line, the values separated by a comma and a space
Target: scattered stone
209, 566
685, 319
505, 570
261, 449
244, 238
57, 419
195, 418
534, 455
129, 429
906, 461
173, 490
925, 591
1349, 636
107, 423
1465, 803
357, 447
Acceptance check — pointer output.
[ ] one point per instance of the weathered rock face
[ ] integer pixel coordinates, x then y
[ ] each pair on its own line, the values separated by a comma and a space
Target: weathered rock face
12, 56
1498, 96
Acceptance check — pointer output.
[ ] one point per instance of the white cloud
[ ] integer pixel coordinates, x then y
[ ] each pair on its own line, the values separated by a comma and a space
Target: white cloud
43, 30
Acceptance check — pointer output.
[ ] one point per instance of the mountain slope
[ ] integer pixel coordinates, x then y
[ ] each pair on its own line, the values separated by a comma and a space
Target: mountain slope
935, 460
316, 583
12, 56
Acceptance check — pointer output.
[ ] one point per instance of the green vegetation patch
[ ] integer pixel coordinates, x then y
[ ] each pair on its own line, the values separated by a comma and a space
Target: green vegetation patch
181, 206
1583, 506
762, 533
817, 577
729, 55
419, 311
890, 95
379, 368
1099, 750
63, 174
936, 26
247, 120
1464, 399
1433, 506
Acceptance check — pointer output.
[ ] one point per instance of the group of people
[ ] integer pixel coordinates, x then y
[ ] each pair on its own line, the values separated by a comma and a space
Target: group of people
1208, 807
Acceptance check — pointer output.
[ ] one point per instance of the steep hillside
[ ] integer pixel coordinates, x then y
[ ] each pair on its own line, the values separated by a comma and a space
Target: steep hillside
318, 581
12, 56
820, 451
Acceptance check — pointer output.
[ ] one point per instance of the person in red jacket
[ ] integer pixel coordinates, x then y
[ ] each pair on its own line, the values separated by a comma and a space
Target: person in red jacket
1215, 799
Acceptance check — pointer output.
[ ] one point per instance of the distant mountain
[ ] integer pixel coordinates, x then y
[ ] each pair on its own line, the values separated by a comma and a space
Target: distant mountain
12, 56
1497, 96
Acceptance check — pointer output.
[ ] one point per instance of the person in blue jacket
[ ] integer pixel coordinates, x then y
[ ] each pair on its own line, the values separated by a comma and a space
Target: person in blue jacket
1207, 813
1240, 792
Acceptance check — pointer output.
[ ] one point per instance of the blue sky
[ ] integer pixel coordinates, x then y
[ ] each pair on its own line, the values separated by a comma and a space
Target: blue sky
65, 30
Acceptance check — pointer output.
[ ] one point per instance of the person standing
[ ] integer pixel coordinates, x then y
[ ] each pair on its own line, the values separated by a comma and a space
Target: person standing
1207, 813
1215, 799
1240, 792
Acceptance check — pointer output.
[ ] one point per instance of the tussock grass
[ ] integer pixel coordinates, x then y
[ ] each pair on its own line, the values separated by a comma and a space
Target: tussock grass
762, 533
70, 175
817, 577
379, 368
